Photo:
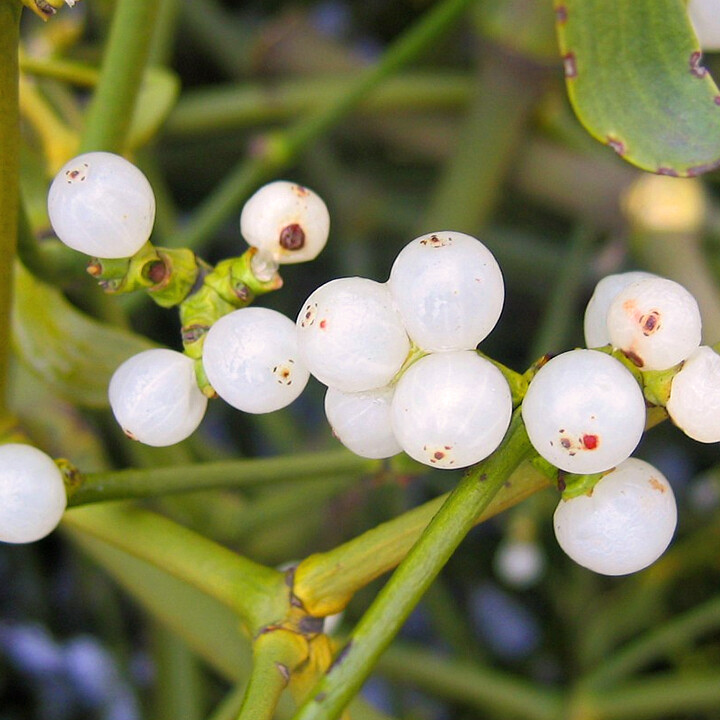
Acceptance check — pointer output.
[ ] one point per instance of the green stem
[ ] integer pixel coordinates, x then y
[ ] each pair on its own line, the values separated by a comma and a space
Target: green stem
479, 687
56, 68
677, 633
403, 591
284, 147
111, 109
255, 592
152, 482
10, 179
232, 107
229, 706
325, 582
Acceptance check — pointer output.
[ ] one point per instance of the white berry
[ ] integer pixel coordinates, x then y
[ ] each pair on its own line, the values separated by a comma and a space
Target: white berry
655, 322
350, 335
251, 359
451, 409
287, 221
705, 19
32, 494
584, 412
694, 403
155, 398
519, 563
623, 525
362, 421
102, 205
595, 324
449, 290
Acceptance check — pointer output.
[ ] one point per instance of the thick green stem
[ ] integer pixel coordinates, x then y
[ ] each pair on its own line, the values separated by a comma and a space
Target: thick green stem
127, 50
9, 179
153, 482
405, 588
483, 688
255, 592
282, 148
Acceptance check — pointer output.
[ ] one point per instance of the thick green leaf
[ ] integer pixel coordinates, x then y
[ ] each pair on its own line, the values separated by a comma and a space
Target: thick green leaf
635, 77
72, 352
158, 93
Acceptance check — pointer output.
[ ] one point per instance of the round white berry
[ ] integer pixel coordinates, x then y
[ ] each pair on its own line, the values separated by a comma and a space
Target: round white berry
251, 358
694, 403
350, 335
288, 221
32, 494
655, 322
362, 422
449, 290
102, 205
705, 19
596, 332
623, 525
584, 412
451, 409
519, 563
155, 397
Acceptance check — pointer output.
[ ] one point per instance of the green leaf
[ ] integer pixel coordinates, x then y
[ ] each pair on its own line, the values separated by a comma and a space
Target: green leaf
75, 354
635, 79
158, 94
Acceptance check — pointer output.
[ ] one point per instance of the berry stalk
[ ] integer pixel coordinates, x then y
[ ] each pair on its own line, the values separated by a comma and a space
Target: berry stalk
9, 180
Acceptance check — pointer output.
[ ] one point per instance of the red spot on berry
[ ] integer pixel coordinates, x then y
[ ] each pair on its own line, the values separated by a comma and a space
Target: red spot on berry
590, 442
323, 324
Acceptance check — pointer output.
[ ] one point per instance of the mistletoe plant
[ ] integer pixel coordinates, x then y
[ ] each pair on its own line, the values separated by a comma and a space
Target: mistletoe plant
415, 388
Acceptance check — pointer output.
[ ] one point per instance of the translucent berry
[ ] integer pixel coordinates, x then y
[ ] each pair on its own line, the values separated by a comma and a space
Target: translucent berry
584, 412
449, 290
519, 563
32, 494
155, 398
102, 205
287, 221
596, 331
655, 322
623, 525
694, 403
362, 421
350, 335
251, 359
451, 409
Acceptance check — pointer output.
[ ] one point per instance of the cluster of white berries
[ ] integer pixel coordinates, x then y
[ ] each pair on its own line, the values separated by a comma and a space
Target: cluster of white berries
448, 409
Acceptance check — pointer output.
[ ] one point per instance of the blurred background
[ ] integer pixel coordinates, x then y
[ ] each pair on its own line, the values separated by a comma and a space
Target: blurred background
475, 134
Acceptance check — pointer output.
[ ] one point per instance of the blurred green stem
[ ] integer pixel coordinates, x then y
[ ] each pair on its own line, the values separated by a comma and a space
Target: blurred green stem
10, 180
152, 482
403, 591
279, 150
508, 86
126, 52
257, 593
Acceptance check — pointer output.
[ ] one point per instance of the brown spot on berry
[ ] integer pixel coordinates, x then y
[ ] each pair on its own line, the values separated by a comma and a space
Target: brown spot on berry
696, 69
655, 484
570, 65
650, 323
300, 191
438, 455
292, 237
565, 442
436, 242
309, 315
590, 442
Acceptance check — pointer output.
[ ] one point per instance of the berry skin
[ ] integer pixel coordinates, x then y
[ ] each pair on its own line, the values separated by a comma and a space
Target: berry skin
584, 412
351, 336
251, 359
694, 403
286, 221
655, 322
155, 398
32, 494
101, 205
451, 409
449, 290
362, 421
595, 325
623, 525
